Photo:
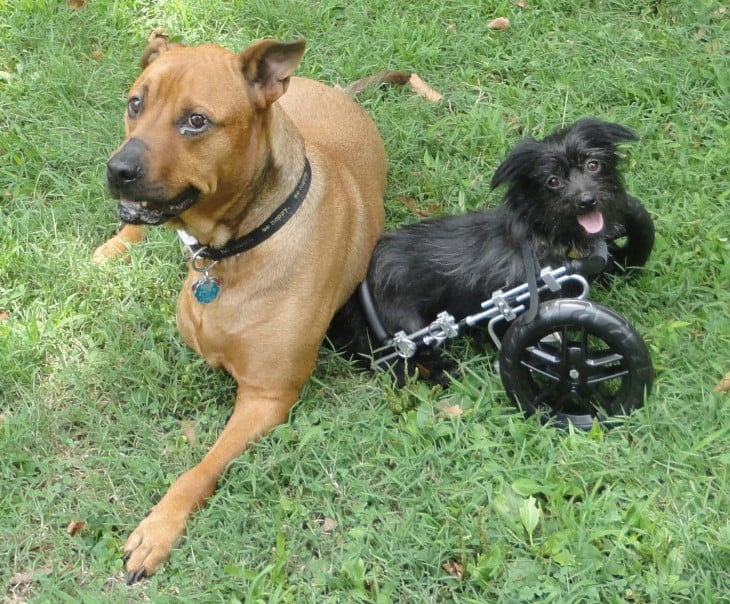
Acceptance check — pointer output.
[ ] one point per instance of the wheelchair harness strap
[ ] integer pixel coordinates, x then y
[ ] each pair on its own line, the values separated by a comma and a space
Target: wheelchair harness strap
532, 269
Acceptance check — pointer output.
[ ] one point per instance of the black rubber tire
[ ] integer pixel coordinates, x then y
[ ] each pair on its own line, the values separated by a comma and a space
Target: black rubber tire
637, 239
575, 362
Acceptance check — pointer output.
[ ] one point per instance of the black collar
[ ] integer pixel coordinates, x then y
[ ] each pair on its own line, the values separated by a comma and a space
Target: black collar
272, 224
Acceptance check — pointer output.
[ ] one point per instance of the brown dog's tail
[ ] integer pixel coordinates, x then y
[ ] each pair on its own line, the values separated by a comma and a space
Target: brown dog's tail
379, 79
399, 78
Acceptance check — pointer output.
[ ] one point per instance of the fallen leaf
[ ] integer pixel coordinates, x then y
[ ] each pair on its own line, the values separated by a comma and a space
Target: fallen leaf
75, 4
451, 410
412, 205
522, 3
30, 576
724, 385
4, 315
421, 88
75, 527
8, 194
188, 428
329, 525
455, 569
97, 55
714, 47
499, 23
530, 515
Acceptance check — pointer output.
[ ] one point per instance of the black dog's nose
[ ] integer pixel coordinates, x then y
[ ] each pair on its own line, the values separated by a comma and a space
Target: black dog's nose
126, 165
587, 202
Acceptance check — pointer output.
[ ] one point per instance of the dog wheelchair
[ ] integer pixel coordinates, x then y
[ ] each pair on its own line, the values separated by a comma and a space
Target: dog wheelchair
567, 358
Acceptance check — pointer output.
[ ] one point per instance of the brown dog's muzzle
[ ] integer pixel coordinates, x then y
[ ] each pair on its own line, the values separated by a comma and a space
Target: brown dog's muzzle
140, 200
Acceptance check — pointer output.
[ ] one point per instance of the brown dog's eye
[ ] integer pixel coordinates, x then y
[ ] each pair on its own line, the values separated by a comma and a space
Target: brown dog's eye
593, 165
195, 123
134, 106
553, 182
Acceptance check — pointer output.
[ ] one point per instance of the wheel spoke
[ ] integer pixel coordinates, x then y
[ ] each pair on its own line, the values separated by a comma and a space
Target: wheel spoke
604, 375
609, 358
585, 344
545, 394
543, 362
605, 366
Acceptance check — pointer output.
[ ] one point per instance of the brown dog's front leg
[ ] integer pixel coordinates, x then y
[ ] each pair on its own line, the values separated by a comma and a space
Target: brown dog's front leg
151, 542
118, 245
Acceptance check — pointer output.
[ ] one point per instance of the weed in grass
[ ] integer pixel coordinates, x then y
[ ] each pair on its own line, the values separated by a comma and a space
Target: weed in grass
102, 404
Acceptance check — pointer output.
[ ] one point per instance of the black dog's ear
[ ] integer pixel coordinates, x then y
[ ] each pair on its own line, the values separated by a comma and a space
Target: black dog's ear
602, 134
518, 163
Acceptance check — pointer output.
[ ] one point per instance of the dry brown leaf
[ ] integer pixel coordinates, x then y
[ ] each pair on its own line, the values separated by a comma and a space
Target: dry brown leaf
714, 47
451, 410
76, 4
724, 385
329, 525
412, 205
30, 576
75, 527
97, 55
499, 23
421, 88
188, 428
522, 3
4, 315
455, 569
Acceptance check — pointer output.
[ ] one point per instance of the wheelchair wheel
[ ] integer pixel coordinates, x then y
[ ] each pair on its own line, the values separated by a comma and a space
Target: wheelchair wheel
631, 247
575, 362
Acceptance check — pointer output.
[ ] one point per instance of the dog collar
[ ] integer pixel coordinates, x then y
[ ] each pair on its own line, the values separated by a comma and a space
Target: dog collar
273, 223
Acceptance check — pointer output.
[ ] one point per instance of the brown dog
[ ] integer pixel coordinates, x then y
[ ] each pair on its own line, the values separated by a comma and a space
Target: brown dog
284, 195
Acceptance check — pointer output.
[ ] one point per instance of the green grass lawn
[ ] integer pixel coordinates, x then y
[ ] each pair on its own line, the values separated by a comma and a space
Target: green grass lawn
369, 493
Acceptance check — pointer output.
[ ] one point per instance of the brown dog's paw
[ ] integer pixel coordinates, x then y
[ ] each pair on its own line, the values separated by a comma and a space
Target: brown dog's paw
112, 248
149, 546
118, 246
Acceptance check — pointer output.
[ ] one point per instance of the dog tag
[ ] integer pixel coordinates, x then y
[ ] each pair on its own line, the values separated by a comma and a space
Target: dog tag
206, 289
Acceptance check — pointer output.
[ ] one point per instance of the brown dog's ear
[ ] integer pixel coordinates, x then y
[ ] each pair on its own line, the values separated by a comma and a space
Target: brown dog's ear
157, 43
268, 66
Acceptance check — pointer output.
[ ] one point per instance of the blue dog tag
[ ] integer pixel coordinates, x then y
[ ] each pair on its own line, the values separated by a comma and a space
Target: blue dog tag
206, 289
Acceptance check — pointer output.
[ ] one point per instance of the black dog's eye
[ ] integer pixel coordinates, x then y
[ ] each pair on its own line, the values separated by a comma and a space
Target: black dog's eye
593, 165
134, 106
195, 123
553, 182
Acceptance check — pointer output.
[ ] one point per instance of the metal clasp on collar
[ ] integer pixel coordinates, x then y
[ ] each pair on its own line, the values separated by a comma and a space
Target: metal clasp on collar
198, 257
207, 288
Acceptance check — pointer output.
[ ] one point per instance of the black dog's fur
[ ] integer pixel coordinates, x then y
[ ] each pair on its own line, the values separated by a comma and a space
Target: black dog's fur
453, 263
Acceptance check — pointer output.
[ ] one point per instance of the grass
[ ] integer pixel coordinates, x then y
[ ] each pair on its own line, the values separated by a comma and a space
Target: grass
103, 405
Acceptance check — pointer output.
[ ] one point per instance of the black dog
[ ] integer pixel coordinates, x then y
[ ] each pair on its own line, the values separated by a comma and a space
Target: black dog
564, 192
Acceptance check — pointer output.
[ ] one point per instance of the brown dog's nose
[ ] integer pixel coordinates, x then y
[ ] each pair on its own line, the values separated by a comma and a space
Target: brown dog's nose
126, 166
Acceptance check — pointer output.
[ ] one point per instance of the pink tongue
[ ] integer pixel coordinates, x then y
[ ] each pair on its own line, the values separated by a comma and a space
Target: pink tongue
591, 222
